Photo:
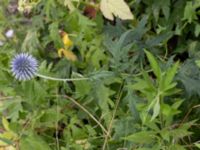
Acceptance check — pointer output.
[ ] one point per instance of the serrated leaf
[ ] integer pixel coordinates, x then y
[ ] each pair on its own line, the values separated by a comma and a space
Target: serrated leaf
118, 8
102, 95
154, 65
82, 88
54, 34
197, 145
139, 85
176, 146
148, 80
69, 4
31, 41
162, 5
177, 104
33, 142
170, 74
188, 75
158, 39
189, 12
156, 109
132, 106
141, 137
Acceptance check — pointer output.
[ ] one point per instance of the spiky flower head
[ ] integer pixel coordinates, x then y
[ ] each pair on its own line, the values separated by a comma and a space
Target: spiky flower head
24, 66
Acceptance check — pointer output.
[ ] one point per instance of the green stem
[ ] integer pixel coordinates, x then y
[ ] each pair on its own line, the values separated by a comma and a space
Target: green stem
85, 110
60, 79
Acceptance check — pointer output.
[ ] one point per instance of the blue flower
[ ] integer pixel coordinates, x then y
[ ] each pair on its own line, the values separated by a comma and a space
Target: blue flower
24, 66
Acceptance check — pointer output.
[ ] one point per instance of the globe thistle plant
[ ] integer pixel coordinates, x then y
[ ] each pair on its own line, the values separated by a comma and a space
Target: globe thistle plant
25, 66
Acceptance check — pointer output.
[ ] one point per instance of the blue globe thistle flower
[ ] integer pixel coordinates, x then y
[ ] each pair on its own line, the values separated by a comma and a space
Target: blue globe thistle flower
24, 66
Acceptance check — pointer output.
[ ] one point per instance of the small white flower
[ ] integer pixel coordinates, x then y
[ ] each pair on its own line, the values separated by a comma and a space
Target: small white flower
9, 33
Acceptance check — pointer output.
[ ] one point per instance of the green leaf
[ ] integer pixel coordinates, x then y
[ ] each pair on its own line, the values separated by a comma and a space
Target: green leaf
156, 109
50, 116
143, 137
139, 85
176, 147
197, 63
13, 109
170, 74
165, 134
182, 131
197, 30
154, 65
189, 12
177, 104
69, 4
102, 96
33, 142
158, 39
54, 34
82, 88
163, 5
148, 81
189, 76
197, 145
31, 41
131, 98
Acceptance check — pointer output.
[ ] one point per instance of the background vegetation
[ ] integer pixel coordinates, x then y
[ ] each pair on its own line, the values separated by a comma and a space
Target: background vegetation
143, 64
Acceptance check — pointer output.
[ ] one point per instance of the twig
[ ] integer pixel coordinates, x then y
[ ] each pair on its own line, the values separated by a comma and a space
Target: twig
136, 75
60, 79
190, 110
56, 125
6, 98
112, 119
85, 110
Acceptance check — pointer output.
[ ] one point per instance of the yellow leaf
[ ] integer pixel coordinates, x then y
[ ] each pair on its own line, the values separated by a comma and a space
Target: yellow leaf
106, 10
10, 148
118, 8
2, 144
67, 42
5, 124
8, 135
68, 54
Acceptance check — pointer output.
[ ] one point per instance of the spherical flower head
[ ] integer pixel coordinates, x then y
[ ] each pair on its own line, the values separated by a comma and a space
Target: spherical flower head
24, 66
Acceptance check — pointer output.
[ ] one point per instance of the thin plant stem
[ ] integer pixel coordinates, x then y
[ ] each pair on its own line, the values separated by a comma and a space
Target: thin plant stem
186, 116
112, 119
60, 79
7, 98
135, 75
56, 124
86, 111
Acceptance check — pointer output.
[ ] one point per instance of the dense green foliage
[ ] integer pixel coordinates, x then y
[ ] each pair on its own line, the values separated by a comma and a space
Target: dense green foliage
143, 91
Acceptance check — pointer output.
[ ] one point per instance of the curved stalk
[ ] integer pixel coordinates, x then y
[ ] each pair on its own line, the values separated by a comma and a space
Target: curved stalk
60, 79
